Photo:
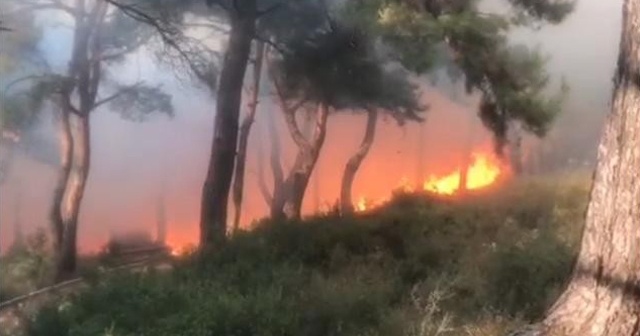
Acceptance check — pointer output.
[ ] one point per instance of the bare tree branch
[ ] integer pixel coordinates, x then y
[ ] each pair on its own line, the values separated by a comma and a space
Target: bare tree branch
126, 50
167, 34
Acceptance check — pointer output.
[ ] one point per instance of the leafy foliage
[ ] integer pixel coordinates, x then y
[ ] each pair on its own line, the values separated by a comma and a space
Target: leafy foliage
338, 64
137, 102
21, 107
171, 21
25, 267
553, 11
120, 35
457, 36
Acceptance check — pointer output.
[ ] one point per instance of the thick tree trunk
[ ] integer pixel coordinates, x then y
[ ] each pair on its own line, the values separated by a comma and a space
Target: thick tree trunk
603, 296
350, 170
73, 198
245, 131
65, 142
215, 193
84, 77
284, 191
298, 178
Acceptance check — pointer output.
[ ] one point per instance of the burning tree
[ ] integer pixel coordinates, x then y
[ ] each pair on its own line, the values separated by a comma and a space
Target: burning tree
418, 35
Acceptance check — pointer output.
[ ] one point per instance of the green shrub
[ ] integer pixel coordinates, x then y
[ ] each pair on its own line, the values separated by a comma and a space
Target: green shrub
524, 279
26, 266
503, 255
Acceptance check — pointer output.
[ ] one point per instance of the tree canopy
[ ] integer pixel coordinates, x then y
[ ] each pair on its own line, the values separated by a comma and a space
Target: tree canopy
473, 46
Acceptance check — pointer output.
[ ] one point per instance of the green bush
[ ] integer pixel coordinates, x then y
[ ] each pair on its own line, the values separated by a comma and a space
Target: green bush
419, 266
26, 266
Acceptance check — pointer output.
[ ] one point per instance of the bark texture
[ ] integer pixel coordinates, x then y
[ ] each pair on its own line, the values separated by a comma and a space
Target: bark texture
215, 192
65, 143
245, 131
350, 170
603, 296
83, 80
308, 152
73, 197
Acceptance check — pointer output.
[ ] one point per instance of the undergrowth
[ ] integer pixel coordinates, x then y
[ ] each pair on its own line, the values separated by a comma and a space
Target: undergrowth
477, 265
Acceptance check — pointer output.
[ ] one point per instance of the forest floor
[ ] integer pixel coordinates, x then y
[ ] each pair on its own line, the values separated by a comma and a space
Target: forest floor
477, 265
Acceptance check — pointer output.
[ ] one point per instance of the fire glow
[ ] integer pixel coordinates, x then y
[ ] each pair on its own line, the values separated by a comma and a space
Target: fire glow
484, 171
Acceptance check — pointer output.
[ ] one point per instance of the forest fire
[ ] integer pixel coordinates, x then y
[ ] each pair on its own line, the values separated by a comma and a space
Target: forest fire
483, 171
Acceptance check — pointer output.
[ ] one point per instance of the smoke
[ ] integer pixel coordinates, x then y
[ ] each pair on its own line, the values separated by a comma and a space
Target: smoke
133, 162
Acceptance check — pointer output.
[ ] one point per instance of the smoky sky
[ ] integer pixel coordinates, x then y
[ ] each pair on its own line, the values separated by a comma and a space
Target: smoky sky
134, 162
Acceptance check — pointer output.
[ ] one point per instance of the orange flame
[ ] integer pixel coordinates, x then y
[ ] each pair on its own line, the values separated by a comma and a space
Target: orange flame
362, 204
484, 171
481, 173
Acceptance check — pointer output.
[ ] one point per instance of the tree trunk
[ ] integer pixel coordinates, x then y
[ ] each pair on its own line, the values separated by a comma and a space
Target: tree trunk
275, 163
298, 179
84, 77
215, 193
5, 163
65, 142
515, 150
73, 198
245, 130
161, 220
8, 142
350, 170
420, 167
18, 233
262, 183
603, 296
